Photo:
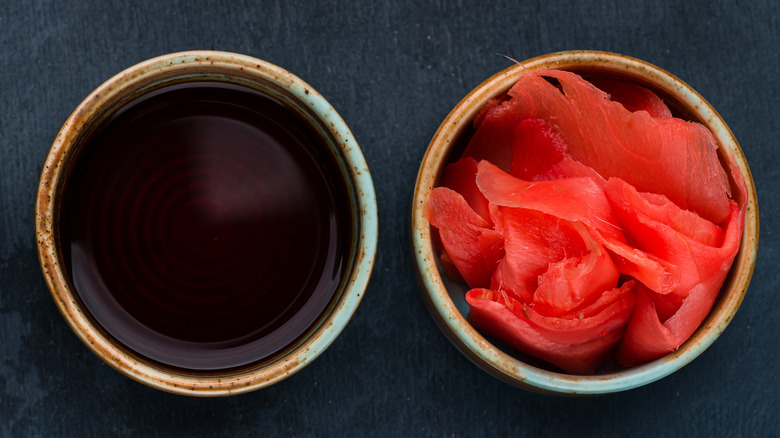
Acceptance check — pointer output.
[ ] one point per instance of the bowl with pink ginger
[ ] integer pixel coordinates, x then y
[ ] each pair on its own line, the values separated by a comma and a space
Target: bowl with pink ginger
583, 223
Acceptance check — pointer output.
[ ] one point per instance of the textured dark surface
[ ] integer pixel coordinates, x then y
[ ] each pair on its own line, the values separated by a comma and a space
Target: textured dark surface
393, 70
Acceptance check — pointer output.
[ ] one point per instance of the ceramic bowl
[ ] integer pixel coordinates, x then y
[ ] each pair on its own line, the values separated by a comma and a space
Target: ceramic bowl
445, 298
269, 79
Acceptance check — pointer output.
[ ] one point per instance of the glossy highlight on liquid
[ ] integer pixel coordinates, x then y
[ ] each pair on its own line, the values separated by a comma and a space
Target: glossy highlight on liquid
206, 225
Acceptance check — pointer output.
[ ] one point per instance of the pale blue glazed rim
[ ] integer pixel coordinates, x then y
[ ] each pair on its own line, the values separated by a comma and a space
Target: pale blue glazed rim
269, 78
444, 298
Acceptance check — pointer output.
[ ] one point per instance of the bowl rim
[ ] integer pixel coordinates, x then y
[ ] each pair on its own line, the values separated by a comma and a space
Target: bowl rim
497, 362
230, 382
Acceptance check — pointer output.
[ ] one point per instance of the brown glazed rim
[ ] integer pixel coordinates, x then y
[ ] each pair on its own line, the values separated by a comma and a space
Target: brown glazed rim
437, 297
240, 69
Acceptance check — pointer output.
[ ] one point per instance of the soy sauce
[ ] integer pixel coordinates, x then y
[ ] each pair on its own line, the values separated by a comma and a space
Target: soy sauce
206, 225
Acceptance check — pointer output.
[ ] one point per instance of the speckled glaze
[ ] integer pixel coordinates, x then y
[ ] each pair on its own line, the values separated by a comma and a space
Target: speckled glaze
240, 69
444, 298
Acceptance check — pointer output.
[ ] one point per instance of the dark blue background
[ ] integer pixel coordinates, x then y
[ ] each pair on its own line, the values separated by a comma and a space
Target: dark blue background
393, 69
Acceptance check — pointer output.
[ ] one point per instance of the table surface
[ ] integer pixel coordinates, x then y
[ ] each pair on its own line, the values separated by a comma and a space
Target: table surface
393, 69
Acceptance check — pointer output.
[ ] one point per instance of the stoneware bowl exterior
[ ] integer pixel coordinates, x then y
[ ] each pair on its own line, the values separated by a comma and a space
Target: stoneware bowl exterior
226, 67
445, 299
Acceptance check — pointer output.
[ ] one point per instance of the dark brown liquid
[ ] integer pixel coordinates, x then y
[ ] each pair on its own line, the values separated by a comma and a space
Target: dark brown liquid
206, 225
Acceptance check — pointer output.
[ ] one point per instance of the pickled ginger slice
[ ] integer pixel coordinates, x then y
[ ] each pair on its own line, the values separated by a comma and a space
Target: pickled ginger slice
577, 344
471, 244
633, 97
575, 282
573, 199
647, 337
536, 148
667, 156
533, 240
661, 323
460, 176
494, 135
652, 224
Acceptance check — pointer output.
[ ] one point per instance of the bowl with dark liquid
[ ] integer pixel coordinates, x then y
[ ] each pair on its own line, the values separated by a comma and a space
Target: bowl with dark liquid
206, 223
